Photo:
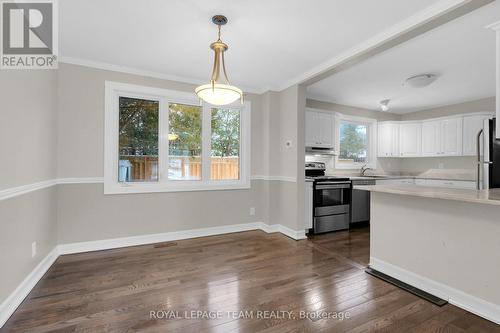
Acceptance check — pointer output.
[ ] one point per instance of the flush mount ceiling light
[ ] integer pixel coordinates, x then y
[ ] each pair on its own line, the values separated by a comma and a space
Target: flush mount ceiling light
384, 104
219, 93
420, 81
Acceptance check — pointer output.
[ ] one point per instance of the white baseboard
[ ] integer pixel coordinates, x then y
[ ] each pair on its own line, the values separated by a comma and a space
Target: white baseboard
10, 305
154, 238
454, 296
175, 235
294, 234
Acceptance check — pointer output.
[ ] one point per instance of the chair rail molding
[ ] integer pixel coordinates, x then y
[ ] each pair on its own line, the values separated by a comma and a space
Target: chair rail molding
24, 189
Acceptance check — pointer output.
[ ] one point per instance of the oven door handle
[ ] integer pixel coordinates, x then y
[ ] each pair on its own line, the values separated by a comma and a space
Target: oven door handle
328, 186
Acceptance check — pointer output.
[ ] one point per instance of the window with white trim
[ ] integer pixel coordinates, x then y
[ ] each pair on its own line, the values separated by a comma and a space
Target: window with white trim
159, 140
356, 139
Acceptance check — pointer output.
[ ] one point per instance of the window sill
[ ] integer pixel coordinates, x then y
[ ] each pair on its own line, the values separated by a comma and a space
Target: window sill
131, 188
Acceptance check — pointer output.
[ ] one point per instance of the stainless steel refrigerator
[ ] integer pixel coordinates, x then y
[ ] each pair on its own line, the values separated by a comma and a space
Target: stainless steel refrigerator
488, 156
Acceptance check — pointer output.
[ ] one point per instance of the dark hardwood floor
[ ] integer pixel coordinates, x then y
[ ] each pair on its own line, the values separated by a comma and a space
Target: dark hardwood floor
116, 290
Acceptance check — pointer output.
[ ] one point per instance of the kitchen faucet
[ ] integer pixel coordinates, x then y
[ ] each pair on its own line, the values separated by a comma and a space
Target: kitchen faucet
363, 169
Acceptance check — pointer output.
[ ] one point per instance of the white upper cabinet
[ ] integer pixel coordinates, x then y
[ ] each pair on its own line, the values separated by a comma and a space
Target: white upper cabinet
327, 127
410, 139
319, 129
451, 137
388, 140
471, 127
442, 137
431, 138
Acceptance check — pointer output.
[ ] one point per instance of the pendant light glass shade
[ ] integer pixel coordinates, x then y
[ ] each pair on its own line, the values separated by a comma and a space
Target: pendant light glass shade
219, 93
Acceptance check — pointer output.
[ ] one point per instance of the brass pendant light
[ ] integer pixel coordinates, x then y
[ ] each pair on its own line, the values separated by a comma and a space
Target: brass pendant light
219, 93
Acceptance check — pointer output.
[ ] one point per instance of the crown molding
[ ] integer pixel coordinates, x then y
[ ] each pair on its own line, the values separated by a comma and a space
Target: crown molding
494, 26
141, 72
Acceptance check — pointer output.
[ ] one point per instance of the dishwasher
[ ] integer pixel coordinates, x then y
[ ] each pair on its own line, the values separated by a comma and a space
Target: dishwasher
360, 201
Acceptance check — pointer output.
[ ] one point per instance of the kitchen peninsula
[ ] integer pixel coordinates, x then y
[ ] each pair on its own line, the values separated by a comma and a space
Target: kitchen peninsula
443, 241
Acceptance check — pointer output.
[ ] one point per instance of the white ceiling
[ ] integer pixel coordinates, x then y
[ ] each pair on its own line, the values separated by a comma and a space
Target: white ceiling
270, 42
461, 52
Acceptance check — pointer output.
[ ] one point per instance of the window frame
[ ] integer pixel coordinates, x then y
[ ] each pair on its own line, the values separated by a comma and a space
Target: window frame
115, 90
371, 136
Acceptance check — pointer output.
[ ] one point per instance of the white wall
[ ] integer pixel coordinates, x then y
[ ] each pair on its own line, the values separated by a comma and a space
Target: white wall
27, 127
27, 142
480, 105
84, 213
54, 129
285, 119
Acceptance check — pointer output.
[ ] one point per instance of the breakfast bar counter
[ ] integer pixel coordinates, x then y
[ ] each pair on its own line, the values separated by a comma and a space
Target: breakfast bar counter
489, 197
443, 241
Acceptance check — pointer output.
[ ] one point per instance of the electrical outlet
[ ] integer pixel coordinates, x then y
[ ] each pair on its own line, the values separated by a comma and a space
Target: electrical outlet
33, 249
252, 211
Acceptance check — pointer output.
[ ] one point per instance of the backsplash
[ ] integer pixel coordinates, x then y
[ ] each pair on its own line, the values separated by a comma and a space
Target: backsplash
442, 167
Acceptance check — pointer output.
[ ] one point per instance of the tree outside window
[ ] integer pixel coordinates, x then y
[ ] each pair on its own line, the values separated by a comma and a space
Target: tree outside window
354, 144
138, 140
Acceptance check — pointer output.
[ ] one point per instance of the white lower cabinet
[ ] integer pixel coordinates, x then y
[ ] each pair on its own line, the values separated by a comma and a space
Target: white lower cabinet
466, 184
399, 181
308, 224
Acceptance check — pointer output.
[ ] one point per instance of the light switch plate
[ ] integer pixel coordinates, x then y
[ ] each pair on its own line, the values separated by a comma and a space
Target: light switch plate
33, 249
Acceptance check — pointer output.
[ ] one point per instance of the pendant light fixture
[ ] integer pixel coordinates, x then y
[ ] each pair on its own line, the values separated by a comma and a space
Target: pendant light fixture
214, 92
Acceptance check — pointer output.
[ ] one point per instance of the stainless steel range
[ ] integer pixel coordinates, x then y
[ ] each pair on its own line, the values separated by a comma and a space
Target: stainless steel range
331, 199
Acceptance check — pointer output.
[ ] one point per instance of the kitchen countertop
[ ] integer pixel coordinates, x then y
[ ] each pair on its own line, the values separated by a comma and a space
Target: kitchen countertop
490, 197
389, 177
384, 177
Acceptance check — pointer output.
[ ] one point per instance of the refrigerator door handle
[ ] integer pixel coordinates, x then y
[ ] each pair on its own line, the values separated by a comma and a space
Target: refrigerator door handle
480, 161
478, 156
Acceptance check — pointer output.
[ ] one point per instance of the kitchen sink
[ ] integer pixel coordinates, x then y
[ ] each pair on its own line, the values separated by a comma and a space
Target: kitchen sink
368, 177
